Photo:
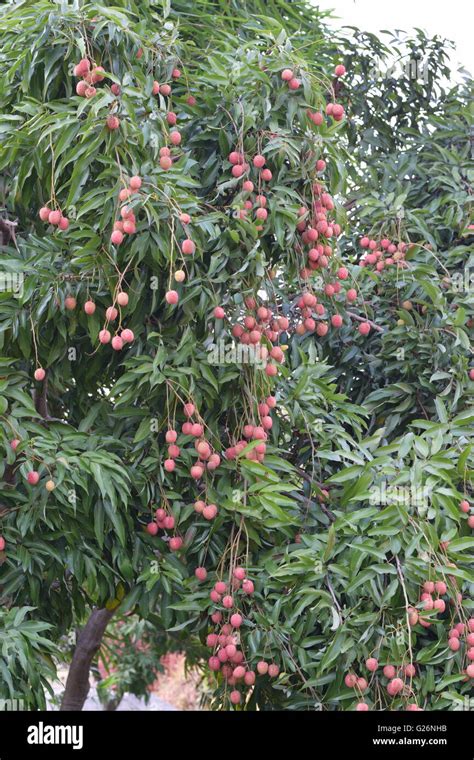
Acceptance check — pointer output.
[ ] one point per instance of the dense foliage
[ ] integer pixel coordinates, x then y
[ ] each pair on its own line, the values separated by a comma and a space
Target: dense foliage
337, 474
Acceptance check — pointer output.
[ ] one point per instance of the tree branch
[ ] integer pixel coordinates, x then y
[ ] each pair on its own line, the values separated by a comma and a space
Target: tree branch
88, 643
364, 319
330, 515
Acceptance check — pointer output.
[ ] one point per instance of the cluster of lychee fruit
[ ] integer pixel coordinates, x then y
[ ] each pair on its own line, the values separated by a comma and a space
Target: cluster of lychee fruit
253, 432
89, 74
315, 225
382, 254
260, 323
175, 137
127, 224
336, 110
464, 505
240, 168
395, 682
55, 217
455, 635
165, 521
207, 458
120, 339
228, 657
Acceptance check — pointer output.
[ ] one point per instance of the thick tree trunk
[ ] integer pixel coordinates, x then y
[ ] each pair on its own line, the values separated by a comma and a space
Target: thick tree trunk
88, 642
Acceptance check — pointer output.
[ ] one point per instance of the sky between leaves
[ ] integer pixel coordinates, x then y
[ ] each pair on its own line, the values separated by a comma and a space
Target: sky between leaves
453, 21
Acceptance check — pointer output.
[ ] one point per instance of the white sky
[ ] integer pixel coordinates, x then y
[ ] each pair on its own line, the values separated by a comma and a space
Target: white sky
448, 18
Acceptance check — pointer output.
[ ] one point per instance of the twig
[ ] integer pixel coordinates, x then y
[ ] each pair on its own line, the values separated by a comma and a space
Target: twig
364, 319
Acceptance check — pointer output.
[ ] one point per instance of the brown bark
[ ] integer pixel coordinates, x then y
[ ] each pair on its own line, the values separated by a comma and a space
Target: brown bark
88, 643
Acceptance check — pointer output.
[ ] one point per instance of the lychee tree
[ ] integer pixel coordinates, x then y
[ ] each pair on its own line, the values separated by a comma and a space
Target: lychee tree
184, 435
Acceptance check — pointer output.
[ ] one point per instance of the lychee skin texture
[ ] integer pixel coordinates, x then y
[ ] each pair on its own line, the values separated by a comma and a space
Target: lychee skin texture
112, 122
371, 664
116, 237
166, 162
396, 685
200, 573
33, 477
249, 678
117, 343
129, 227
172, 297
40, 374
188, 247
122, 299
235, 697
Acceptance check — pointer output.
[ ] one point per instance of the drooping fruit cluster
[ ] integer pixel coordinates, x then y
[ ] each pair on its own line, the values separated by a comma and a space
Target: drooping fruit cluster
208, 459
455, 641
89, 75
240, 168
260, 326
426, 598
122, 337
127, 224
291, 80
174, 137
227, 614
257, 433
465, 508
55, 217
397, 680
165, 521
382, 254
336, 110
